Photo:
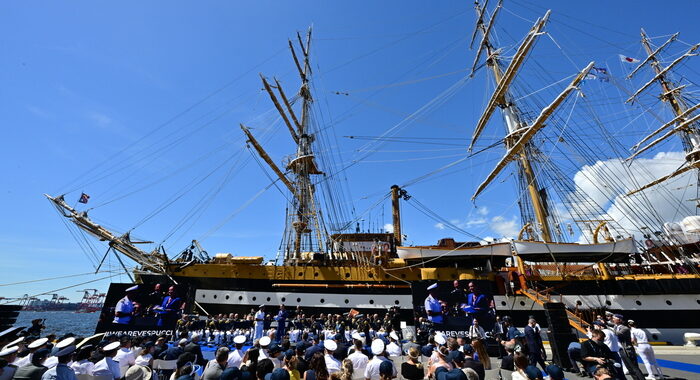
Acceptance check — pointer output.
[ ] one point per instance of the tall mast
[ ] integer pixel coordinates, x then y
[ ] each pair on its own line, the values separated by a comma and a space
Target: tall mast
685, 123
511, 114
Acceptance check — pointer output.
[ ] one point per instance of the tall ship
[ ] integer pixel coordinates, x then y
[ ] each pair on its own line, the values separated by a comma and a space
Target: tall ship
570, 247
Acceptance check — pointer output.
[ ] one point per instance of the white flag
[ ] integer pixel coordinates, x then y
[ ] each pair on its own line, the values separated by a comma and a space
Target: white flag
627, 59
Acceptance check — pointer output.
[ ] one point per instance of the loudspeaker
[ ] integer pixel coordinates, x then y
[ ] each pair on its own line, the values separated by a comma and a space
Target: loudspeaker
559, 333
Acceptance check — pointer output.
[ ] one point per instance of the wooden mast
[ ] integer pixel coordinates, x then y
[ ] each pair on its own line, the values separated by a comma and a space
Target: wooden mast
511, 113
396, 213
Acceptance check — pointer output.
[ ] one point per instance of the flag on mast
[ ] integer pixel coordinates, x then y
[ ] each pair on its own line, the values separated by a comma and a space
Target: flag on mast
84, 198
627, 59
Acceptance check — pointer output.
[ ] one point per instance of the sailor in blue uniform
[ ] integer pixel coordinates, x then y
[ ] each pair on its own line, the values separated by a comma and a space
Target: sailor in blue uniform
281, 319
433, 306
124, 309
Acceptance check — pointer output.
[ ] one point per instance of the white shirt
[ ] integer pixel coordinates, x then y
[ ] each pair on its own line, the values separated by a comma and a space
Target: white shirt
83, 367
21, 362
125, 357
107, 367
51, 362
144, 360
639, 335
332, 364
259, 315
125, 306
431, 304
478, 332
235, 358
372, 370
611, 340
393, 349
359, 361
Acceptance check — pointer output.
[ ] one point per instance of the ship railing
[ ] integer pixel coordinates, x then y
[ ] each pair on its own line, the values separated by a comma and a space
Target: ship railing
541, 298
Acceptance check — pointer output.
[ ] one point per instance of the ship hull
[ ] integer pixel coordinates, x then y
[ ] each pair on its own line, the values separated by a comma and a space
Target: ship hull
428, 252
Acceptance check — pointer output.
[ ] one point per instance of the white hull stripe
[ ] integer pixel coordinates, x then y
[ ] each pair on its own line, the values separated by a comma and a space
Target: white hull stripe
618, 302
291, 299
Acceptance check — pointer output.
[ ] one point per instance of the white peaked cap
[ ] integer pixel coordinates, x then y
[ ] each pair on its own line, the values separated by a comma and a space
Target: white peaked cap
239, 339
377, 346
38, 343
65, 342
440, 339
133, 288
112, 346
330, 345
8, 351
265, 341
394, 336
357, 336
433, 286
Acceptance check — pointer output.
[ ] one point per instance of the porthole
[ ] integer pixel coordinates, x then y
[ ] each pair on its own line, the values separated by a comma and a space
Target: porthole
214, 296
347, 275
698, 301
654, 336
283, 299
240, 298
227, 297
300, 274
503, 303
638, 302
315, 274
669, 303
579, 303
323, 301
298, 299
268, 299
370, 274
255, 298
522, 303
396, 302
204, 296
347, 301
607, 302
371, 302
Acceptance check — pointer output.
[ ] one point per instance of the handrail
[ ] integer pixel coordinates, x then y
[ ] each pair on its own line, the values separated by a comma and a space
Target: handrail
574, 320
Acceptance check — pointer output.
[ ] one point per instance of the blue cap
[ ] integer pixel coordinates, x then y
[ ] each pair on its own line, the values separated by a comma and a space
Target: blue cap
455, 374
386, 368
533, 372
555, 372
279, 374
455, 356
231, 373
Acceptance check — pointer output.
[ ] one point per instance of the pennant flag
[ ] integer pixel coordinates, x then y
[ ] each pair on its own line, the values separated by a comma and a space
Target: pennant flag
602, 74
627, 59
84, 198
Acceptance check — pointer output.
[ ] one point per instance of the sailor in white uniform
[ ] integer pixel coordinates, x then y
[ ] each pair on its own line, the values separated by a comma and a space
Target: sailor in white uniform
332, 364
125, 307
107, 366
52, 361
393, 348
33, 347
259, 322
372, 370
432, 305
9, 354
235, 357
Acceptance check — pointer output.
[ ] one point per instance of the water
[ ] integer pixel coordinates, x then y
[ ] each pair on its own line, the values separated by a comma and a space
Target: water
61, 322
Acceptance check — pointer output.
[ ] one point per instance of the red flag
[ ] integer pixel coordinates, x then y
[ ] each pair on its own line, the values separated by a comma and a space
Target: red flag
627, 59
84, 198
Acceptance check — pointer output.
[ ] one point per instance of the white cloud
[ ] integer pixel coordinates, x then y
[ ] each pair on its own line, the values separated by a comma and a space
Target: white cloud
389, 228
483, 210
507, 228
440, 226
667, 202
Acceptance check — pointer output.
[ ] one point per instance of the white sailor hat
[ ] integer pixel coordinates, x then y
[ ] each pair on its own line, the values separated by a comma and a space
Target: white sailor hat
65, 342
111, 347
133, 288
183, 341
440, 339
239, 339
16, 341
377, 346
261, 306
38, 343
330, 345
357, 336
9, 351
433, 286
394, 336
265, 341
66, 351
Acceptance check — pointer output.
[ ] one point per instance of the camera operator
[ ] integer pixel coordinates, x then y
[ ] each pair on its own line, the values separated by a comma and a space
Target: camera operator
595, 353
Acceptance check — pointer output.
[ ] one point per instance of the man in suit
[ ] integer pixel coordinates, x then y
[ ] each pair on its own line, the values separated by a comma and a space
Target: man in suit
194, 348
173, 353
534, 343
469, 362
478, 305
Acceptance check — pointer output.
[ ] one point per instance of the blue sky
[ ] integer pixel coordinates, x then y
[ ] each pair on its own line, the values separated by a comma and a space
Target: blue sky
86, 81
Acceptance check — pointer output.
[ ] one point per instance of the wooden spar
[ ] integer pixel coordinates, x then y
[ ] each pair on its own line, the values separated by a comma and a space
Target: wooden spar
690, 166
296, 61
119, 243
396, 213
485, 38
289, 106
680, 126
538, 124
689, 53
279, 109
268, 160
508, 76
479, 21
652, 55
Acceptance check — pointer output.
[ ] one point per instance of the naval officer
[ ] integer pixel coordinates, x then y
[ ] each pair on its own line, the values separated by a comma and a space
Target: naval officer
125, 307
259, 322
433, 307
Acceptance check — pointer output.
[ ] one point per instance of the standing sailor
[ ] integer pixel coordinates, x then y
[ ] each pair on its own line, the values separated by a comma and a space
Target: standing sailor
281, 319
124, 309
107, 366
433, 307
62, 371
259, 322
235, 357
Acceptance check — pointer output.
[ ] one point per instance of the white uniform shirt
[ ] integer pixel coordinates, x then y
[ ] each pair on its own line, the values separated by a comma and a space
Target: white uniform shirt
83, 367
125, 306
21, 362
393, 349
359, 361
639, 335
372, 370
125, 357
611, 340
235, 358
431, 304
332, 364
107, 367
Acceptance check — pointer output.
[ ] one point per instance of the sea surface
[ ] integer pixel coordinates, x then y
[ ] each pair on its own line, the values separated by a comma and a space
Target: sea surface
61, 322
